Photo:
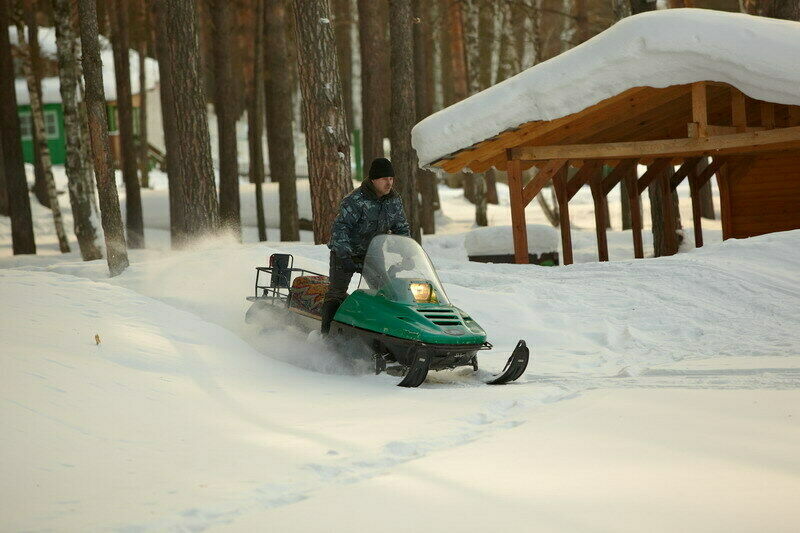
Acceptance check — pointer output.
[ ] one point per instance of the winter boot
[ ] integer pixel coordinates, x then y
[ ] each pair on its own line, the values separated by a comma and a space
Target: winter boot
328, 311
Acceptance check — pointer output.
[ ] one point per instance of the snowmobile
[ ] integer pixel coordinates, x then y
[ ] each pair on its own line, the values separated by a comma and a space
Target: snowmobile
400, 312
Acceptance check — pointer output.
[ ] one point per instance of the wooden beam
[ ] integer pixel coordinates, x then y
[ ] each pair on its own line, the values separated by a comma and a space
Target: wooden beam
700, 108
653, 171
684, 170
710, 170
738, 110
714, 130
632, 188
518, 226
582, 177
544, 175
600, 222
621, 170
777, 139
560, 188
767, 115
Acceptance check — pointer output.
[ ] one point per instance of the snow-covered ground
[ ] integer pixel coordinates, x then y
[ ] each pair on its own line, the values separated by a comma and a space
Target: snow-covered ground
662, 395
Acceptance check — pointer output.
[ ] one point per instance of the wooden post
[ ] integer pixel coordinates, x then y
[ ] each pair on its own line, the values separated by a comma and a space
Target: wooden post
724, 202
560, 188
632, 187
514, 169
600, 220
738, 110
700, 108
767, 115
697, 211
670, 238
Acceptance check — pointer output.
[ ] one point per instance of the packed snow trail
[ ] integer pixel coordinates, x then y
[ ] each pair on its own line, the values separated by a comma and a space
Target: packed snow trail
175, 422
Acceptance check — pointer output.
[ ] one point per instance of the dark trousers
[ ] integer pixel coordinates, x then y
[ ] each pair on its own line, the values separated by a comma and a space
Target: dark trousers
339, 281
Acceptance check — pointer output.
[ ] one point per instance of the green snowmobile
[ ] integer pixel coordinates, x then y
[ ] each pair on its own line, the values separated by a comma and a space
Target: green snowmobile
400, 311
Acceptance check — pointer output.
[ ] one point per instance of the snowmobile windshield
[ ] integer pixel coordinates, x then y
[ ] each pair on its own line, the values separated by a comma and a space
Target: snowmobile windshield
397, 268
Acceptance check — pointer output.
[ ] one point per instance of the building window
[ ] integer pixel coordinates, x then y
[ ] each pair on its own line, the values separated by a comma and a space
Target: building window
26, 126
51, 124
51, 129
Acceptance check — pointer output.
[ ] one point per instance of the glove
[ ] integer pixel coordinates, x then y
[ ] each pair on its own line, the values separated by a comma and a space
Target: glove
348, 265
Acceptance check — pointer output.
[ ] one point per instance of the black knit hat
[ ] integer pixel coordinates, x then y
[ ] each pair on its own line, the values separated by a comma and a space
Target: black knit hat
380, 168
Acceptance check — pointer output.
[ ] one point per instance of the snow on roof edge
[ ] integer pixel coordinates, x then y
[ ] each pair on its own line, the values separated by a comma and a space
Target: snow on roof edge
656, 49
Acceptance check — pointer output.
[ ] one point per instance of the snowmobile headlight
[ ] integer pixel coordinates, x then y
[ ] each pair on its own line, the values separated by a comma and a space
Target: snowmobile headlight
423, 292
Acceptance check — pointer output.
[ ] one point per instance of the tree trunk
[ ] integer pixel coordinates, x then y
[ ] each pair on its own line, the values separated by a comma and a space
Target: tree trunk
342, 27
3, 192
79, 174
169, 120
200, 209
255, 120
326, 132
144, 159
116, 250
278, 89
404, 158
423, 75
37, 114
16, 186
372, 40
224, 107
779, 9
457, 52
40, 180
120, 42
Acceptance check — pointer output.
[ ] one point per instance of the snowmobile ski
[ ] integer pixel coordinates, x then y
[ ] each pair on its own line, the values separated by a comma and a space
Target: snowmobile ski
515, 366
418, 370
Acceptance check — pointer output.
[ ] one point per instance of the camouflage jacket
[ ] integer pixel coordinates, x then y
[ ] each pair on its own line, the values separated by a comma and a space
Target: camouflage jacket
362, 215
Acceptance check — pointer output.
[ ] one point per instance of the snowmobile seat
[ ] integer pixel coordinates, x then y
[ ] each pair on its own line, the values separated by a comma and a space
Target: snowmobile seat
281, 270
308, 293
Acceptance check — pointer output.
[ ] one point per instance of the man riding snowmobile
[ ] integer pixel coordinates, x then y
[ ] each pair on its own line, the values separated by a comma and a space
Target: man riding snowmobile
372, 209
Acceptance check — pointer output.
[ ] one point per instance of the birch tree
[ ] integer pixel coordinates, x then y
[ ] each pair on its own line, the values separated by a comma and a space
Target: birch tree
116, 249
77, 167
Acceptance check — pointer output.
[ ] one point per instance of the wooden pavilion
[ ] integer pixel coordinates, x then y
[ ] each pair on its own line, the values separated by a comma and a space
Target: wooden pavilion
753, 146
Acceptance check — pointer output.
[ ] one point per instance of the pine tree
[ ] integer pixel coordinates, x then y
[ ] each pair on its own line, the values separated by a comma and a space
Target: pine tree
326, 131
404, 158
278, 88
120, 43
116, 249
78, 170
199, 207
423, 80
16, 186
225, 108
169, 120
255, 119
374, 73
144, 146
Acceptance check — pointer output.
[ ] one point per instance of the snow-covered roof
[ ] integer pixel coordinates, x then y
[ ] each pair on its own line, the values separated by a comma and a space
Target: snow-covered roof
759, 56
51, 86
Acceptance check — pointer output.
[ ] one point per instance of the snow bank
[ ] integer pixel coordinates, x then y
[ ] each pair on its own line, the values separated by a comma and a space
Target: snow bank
499, 240
759, 56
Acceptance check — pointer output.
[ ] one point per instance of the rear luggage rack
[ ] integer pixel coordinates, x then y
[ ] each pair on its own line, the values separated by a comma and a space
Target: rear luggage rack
281, 272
